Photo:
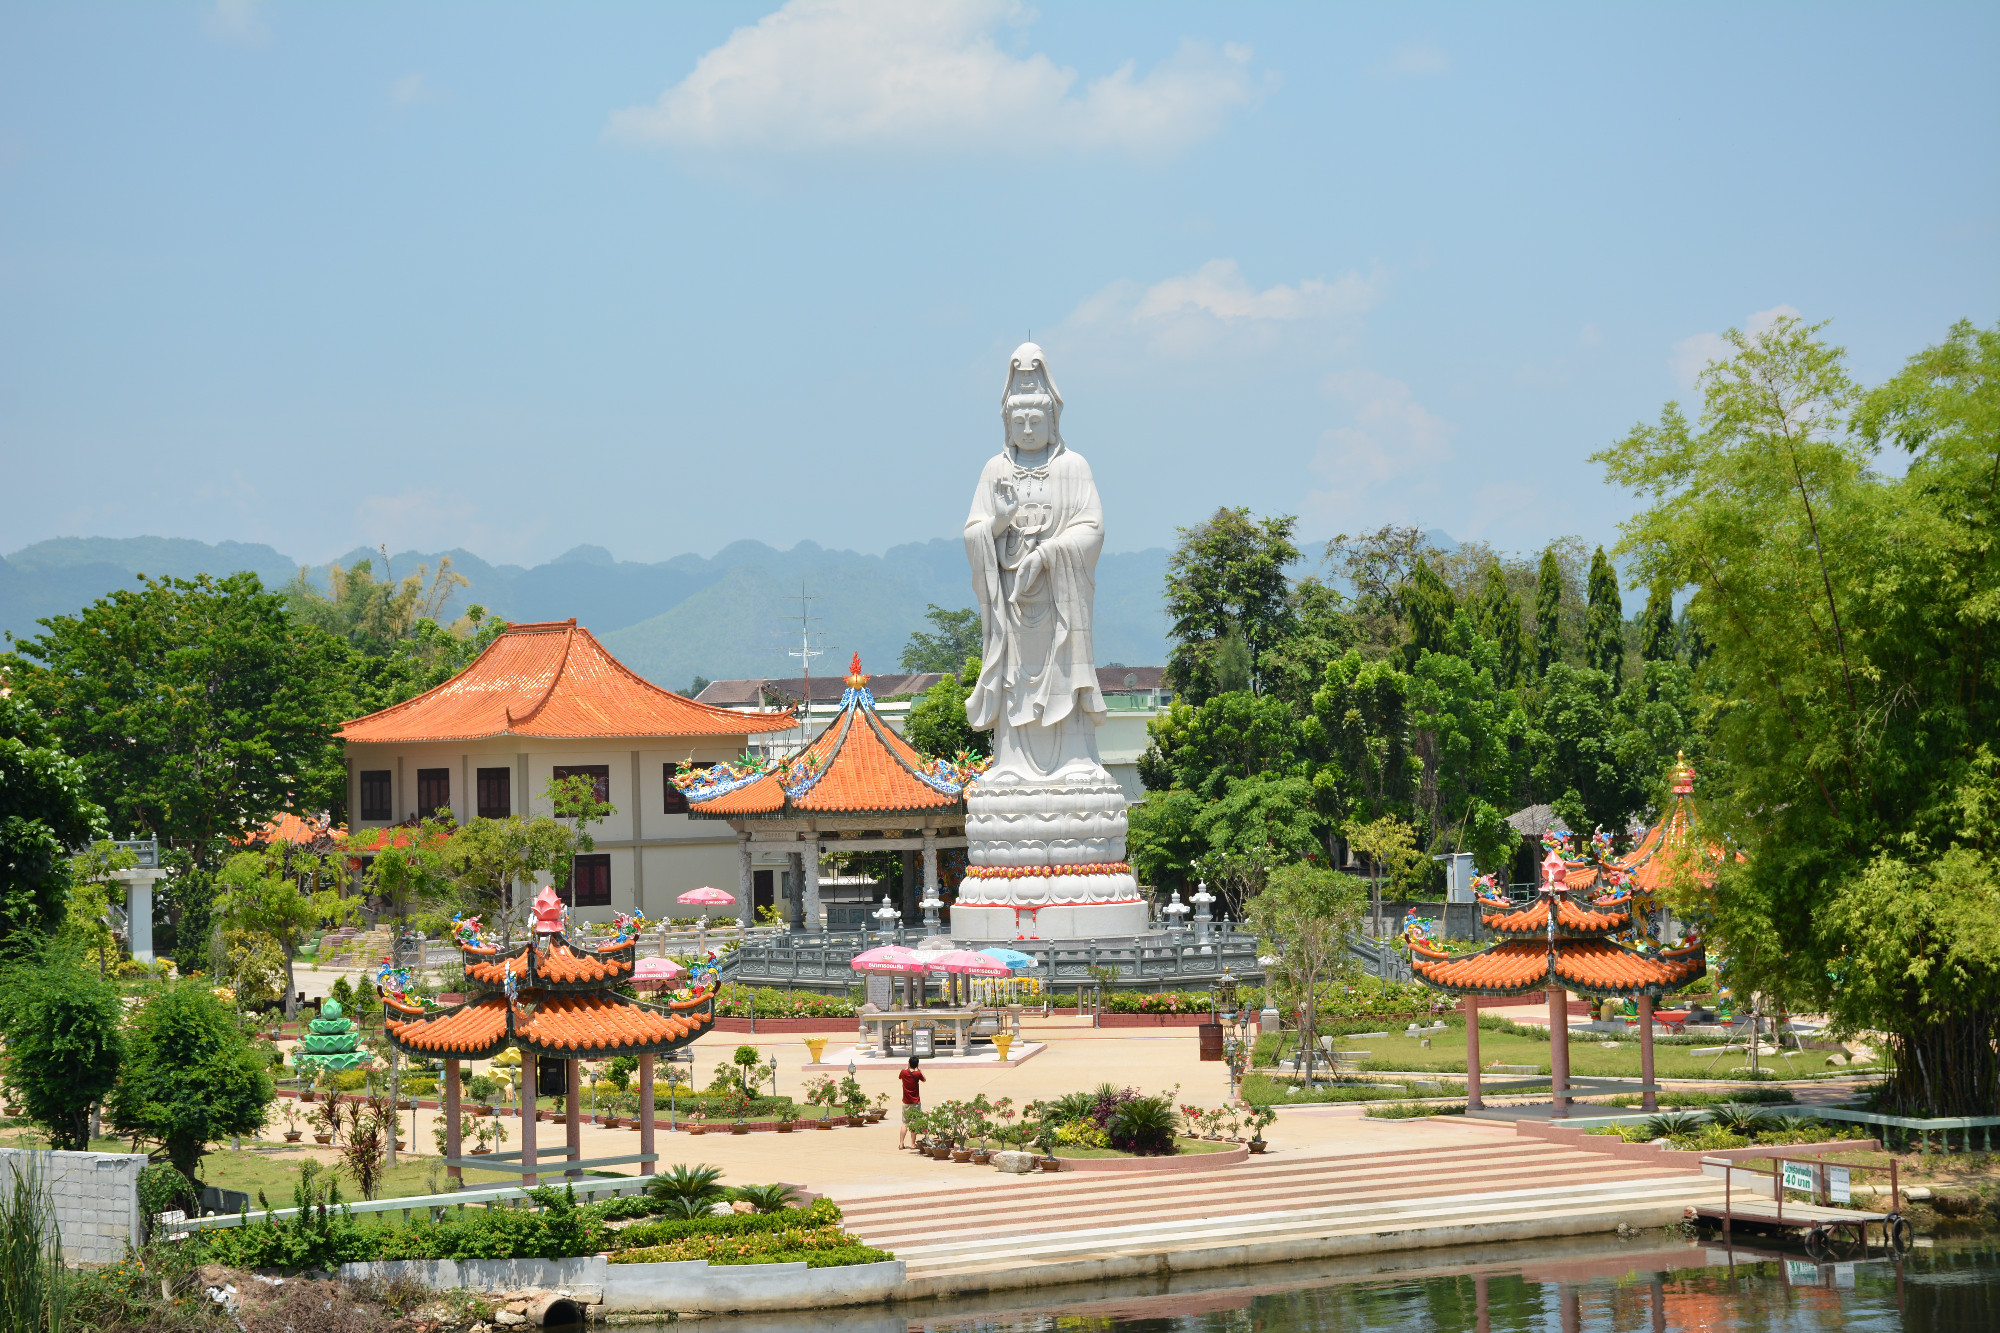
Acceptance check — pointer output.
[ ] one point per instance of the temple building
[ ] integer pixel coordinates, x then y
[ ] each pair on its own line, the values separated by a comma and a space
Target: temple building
547, 701
857, 787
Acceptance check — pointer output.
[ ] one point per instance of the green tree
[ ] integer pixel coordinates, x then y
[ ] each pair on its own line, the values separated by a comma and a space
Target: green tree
1303, 920
1396, 863
91, 874
44, 812
1431, 608
1850, 622
1548, 613
1577, 760
1163, 842
1321, 630
282, 894
953, 637
1605, 648
936, 723
573, 798
1658, 641
64, 1047
412, 869
191, 1076
1226, 579
487, 858
198, 708
1469, 737
1359, 735
1379, 567
1231, 736
1500, 621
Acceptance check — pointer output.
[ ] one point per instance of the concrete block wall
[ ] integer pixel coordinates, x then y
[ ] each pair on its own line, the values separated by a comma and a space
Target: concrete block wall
96, 1196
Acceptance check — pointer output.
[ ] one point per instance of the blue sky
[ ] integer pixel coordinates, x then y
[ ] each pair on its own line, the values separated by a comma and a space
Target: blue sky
657, 277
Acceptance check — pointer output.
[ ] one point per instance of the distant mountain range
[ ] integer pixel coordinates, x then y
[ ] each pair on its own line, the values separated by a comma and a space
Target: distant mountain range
731, 615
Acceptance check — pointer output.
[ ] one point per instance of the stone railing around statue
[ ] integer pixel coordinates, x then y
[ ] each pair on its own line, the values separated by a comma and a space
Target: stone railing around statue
1158, 961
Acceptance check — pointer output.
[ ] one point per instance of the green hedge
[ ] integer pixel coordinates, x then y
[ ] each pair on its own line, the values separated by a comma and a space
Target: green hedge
819, 1213
809, 1235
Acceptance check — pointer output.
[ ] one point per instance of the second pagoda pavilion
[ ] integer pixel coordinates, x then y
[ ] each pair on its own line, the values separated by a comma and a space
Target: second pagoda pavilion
551, 998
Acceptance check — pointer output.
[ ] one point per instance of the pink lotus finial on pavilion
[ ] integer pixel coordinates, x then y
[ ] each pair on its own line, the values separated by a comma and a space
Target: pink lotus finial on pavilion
1552, 871
547, 911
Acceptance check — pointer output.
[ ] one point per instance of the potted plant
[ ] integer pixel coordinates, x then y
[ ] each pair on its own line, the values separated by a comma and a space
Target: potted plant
919, 1125
979, 1125
326, 1122
697, 1121
880, 1109
854, 1099
820, 1093
483, 1134
291, 1115
736, 1105
1258, 1118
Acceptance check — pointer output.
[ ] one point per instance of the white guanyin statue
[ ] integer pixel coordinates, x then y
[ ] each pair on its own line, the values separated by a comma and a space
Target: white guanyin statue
1045, 824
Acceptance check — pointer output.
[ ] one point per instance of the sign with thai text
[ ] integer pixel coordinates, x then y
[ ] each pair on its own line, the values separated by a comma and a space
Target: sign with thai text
1799, 1176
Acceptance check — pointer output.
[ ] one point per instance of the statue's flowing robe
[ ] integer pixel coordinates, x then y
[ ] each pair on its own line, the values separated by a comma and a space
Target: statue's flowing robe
1037, 668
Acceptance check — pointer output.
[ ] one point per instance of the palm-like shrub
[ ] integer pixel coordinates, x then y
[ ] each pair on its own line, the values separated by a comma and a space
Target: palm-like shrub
1143, 1125
687, 1191
1668, 1124
765, 1198
1743, 1118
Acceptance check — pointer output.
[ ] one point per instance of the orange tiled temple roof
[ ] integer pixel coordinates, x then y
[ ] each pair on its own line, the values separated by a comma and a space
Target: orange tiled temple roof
563, 1005
1595, 967
589, 1025
1571, 920
863, 767
552, 680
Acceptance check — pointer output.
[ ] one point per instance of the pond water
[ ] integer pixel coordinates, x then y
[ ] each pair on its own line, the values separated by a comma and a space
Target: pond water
1645, 1285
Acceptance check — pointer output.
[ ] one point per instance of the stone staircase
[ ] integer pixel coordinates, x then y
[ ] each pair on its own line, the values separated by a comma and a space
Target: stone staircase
1041, 1230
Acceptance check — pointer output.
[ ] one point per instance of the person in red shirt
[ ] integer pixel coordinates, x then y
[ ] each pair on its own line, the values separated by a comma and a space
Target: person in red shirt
912, 1097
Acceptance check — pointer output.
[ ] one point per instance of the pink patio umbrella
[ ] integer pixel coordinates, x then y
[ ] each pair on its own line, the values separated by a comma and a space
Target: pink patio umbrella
655, 973
966, 963
705, 897
893, 960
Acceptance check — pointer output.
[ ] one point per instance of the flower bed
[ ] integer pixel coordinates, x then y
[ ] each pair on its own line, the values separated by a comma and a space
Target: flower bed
735, 1001
809, 1235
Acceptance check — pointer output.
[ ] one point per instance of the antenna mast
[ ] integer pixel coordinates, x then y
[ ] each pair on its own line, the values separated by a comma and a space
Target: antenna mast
806, 652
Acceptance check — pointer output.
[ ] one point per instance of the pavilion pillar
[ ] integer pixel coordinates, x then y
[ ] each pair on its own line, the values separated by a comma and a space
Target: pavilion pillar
746, 882
1648, 1099
795, 912
646, 1111
573, 1111
1472, 1102
909, 904
1559, 1050
930, 870
813, 922
454, 1145
528, 1070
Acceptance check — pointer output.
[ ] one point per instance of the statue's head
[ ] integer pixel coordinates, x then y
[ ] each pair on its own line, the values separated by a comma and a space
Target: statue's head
1030, 405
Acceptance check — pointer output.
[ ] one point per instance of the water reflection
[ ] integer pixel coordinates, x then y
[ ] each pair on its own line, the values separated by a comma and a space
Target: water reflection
1950, 1286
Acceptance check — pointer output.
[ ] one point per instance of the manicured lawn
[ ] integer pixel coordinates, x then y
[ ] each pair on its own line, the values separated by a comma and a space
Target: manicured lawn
1587, 1057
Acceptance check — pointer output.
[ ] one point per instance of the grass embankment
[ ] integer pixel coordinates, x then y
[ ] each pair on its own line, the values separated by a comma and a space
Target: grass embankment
1590, 1055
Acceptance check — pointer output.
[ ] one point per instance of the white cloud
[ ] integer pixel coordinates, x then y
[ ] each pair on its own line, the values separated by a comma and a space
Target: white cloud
928, 74
1192, 312
236, 22
410, 90
1420, 59
1389, 437
1692, 355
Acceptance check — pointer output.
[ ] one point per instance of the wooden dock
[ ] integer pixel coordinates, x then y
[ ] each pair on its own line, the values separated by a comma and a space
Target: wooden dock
1756, 1197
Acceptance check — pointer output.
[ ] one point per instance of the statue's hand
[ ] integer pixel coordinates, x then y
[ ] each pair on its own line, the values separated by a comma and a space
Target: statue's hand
1025, 575
1005, 502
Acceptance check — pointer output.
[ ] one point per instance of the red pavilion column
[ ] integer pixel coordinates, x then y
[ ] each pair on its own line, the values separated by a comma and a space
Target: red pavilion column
573, 1112
646, 1112
528, 1062
454, 1145
1472, 1102
1559, 1050
1648, 1099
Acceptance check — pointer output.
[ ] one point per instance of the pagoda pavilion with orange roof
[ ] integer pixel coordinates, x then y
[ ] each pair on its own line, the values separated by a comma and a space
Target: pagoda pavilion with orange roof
1558, 945
858, 786
546, 701
550, 997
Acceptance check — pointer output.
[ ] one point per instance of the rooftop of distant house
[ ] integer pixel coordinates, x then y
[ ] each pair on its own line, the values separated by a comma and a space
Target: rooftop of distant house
764, 692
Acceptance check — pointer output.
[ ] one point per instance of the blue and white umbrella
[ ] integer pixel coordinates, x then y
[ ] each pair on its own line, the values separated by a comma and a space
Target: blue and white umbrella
1014, 959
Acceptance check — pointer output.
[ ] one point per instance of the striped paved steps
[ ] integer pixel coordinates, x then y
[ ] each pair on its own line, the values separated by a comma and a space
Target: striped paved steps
1274, 1205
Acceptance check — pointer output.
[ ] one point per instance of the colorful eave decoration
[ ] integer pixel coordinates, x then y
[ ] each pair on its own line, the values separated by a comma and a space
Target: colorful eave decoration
891, 762
549, 996
1557, 942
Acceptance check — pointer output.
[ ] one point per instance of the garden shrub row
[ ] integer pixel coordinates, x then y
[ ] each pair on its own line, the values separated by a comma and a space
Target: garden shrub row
818, 1214
738, 1001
